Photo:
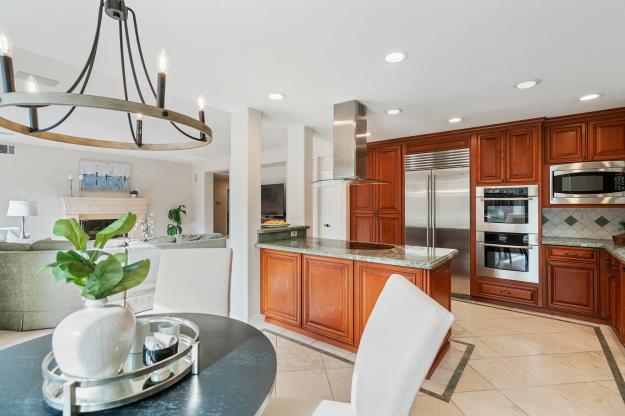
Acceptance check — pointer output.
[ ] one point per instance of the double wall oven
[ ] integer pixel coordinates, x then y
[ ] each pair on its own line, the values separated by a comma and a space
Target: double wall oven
507, 232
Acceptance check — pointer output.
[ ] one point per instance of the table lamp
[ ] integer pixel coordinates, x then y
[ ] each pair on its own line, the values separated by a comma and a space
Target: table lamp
22, 209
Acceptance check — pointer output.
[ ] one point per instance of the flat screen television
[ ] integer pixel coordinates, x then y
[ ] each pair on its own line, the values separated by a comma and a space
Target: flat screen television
273, 200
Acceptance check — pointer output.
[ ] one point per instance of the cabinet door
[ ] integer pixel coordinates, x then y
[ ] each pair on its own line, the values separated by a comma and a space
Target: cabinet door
280, 286
363, 220
328, 297
607, 139
389, 168
363, 227
370, 280
572, 288
522, 155
490, 148
565, 144
614, 304
389, 229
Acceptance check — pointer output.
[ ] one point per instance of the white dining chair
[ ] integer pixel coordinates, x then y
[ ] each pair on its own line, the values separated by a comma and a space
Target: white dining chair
194, 280
399, 344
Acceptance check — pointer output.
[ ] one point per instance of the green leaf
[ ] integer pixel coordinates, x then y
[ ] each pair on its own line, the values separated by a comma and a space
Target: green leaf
105, 277
134, 275
172, 229
72, 232
94, 255
119, 227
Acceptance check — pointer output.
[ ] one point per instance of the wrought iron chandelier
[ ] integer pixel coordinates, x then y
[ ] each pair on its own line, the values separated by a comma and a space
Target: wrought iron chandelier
74, 96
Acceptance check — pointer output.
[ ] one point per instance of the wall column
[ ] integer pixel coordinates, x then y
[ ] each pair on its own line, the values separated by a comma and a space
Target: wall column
245, 153
299, 167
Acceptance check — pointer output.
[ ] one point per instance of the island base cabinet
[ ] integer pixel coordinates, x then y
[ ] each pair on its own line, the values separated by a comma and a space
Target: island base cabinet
280, 286
328, 297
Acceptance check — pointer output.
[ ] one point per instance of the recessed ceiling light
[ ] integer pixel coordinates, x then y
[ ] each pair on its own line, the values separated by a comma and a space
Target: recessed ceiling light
277, 96
393, 111
395, 57
455, 120
589, 97
527, 84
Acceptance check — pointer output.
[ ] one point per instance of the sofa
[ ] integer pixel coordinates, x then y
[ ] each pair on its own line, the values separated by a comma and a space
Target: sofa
29, 301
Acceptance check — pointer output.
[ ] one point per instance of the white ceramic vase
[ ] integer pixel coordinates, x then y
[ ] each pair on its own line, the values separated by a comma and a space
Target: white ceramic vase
94, 342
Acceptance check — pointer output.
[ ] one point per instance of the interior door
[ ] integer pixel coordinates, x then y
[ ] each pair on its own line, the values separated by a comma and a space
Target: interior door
416, 210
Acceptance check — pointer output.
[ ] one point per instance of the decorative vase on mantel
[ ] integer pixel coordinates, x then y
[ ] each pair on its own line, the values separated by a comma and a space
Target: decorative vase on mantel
94, 342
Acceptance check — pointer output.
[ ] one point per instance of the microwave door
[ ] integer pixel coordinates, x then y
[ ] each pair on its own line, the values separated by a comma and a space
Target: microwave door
599, 183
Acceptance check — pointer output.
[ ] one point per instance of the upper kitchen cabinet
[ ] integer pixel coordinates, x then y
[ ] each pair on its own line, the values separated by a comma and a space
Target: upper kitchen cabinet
590, 137
565, 144
607, 139
376, 210
508, 156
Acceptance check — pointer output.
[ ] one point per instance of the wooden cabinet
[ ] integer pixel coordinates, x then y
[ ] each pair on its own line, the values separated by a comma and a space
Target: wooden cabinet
616, 309
508, 291
280, 286
370, 279
565, 144
328, 297
572, 277
585, 138
508, 156
490, 149
376, 210
607, 139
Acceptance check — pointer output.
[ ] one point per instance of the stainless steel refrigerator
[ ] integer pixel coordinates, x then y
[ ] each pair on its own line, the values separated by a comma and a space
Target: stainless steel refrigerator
438, 208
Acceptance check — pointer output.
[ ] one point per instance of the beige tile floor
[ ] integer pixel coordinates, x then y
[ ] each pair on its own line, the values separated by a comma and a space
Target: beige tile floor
522, 364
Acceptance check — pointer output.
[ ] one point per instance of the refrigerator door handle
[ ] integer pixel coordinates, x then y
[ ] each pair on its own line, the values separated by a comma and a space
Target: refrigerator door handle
434, 211
427, 230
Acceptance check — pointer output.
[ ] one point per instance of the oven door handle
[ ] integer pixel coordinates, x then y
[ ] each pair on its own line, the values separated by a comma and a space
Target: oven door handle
529, 198
507, 246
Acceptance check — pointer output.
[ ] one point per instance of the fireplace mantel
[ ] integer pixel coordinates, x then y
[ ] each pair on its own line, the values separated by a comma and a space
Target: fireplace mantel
89, 208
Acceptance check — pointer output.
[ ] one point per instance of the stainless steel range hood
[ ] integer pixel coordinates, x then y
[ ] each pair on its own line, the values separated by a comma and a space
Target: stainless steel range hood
349, 145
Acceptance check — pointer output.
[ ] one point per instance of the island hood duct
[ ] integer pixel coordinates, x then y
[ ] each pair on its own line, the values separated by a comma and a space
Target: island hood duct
349, 145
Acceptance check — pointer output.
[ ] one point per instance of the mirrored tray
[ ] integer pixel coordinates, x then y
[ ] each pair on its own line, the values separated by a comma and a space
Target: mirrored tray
134, 381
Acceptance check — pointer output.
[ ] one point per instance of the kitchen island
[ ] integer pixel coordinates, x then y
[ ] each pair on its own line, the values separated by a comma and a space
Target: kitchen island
326, 289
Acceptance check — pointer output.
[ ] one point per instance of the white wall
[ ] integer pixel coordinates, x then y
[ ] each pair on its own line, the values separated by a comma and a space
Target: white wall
39, 173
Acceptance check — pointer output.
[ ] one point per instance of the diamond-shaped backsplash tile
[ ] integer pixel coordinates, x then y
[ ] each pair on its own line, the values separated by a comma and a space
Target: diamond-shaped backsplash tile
600, 223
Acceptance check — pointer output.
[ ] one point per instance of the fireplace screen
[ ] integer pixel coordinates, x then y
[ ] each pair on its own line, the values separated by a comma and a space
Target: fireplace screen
92, 227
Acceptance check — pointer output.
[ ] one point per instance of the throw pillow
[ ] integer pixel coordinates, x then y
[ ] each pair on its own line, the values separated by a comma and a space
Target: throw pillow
188, 237
15, 246
50, 244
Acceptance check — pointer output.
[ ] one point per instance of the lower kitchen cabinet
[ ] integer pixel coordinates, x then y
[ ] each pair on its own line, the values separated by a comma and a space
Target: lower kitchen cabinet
616, 272
573, 285
509, 291
280, 286
328, 297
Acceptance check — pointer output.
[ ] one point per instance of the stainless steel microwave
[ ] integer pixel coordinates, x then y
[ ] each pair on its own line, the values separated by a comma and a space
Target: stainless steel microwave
588, 183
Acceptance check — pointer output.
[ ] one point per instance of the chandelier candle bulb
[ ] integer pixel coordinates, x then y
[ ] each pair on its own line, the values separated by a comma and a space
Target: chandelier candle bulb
200, 106
6, 65
162, 79
32, 87
140, 129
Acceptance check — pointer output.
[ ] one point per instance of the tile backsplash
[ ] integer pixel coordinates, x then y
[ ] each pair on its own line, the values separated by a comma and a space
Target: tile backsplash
601, 223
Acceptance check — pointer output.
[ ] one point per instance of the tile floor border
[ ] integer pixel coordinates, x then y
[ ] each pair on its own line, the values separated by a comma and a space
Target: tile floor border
616, 372
455, 377
309, 346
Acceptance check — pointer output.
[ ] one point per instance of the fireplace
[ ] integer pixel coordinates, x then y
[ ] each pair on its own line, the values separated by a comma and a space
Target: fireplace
92, 227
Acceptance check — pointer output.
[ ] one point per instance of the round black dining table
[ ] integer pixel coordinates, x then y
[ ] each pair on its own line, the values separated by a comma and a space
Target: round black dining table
237, 373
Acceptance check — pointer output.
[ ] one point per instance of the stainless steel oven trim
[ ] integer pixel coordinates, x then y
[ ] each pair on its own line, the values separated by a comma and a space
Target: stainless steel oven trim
533, 211
532, 276
565, 199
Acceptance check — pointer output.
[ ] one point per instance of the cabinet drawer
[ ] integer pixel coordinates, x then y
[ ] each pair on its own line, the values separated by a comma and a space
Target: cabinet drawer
511, 293
589, 255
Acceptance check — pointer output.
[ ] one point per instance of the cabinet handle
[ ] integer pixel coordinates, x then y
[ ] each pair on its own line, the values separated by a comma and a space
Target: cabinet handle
506, 292
571, 254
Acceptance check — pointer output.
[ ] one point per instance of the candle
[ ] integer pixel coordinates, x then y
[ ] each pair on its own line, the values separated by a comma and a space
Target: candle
70, 177
200, 106
6, 64
139, 129
161, 79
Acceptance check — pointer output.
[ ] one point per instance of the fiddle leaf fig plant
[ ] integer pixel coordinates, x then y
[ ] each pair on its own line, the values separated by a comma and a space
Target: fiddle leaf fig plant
98, 273
175, 216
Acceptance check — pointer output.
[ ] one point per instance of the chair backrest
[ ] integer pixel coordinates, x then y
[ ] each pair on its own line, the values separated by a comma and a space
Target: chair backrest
194, 280
401, 339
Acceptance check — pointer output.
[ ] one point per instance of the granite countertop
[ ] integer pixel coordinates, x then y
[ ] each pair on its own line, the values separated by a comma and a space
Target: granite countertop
608, 245
405, 256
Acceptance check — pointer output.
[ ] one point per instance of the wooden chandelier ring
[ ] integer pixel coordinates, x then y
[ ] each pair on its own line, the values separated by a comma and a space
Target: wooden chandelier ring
60, 98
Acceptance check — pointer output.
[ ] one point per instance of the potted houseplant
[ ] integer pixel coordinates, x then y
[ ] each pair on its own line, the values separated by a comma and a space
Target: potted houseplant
134, 193
619, 239
175, 215
94, 342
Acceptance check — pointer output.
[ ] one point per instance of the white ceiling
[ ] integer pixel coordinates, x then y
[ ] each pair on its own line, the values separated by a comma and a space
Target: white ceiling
464, 56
